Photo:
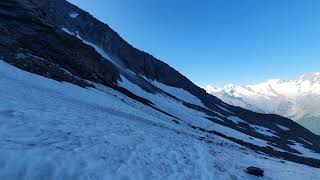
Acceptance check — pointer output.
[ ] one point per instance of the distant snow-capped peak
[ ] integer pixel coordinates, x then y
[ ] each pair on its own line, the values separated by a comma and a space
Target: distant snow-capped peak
296, 99
306, 84
315, 77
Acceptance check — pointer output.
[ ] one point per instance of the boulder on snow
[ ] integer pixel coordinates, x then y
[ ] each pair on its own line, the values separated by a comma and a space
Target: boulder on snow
255, 171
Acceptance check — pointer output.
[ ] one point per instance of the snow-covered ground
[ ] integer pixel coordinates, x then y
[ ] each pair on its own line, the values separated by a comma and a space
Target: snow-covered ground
305, 151
53, 130
179, 93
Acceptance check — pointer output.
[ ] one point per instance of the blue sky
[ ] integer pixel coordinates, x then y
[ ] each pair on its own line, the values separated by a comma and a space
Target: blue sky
220, 41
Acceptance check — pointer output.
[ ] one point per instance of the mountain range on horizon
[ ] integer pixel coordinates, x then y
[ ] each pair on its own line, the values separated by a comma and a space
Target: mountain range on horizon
297, 99
79, 102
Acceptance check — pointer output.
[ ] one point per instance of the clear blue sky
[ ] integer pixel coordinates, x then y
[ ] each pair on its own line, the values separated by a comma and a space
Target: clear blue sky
220, 41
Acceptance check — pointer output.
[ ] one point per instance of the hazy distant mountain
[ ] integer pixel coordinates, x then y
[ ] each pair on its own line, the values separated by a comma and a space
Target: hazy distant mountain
298, 99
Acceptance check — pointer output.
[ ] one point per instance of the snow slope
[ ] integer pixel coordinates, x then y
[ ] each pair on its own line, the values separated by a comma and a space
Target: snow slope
297, 99
135, 117
54, 130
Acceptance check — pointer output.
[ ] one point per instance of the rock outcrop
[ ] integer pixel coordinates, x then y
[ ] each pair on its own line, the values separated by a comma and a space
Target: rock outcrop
255, 171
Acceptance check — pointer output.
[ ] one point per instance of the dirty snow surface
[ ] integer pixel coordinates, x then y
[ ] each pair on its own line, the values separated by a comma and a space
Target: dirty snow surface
54, 130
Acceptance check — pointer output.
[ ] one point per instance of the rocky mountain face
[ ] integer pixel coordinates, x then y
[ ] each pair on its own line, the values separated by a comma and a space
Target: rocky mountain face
297, 99
59, 41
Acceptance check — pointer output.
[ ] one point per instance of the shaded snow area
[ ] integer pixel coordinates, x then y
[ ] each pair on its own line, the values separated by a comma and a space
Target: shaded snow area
304, 151
283, 128
73, 15
179, 93
258, 129
53, 130
168, 105
264, 131
236, 119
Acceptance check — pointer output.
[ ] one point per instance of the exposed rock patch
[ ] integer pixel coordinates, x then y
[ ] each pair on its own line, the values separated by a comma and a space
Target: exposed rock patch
255, 171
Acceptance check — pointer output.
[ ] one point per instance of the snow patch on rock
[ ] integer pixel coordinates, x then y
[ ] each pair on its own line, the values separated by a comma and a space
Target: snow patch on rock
73, 15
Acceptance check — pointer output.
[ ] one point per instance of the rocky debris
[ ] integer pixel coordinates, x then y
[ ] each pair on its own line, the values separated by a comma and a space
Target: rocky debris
255, 171
45, 68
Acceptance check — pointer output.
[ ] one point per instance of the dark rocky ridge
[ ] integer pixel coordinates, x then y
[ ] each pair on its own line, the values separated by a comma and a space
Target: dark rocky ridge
57, 12
25, 33
31, 39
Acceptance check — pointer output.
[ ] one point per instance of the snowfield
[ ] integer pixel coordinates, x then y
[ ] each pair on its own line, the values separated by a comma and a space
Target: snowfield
56, 130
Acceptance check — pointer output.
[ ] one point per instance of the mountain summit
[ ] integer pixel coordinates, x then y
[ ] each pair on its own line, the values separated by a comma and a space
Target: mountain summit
79, 102
298, 99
